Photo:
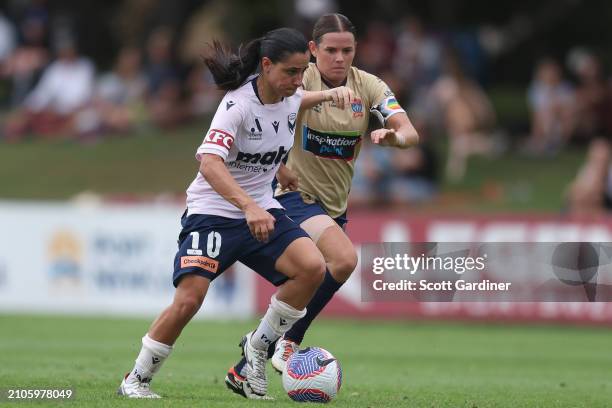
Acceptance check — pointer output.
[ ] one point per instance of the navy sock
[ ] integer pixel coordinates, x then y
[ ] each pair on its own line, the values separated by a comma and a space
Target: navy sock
321, 298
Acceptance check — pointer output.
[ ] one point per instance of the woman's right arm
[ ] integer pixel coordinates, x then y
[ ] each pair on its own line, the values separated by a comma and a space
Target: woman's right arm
260, 222
341, 96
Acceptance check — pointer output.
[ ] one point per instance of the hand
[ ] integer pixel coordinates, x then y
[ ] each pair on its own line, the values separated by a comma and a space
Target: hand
287, 179
385, 137
260, 222
341, 96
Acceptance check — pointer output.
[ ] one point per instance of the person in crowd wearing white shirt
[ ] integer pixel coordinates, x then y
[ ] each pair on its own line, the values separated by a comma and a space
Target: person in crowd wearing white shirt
51, 109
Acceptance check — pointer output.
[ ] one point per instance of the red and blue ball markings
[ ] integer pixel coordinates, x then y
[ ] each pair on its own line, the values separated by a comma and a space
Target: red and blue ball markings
308, 364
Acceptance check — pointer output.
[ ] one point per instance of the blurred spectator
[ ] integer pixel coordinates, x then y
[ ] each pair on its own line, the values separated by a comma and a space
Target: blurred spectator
160, 68
590, 193
7, 38
376, 48
417, 56
204, 96
395, 177
368, 187
119, 96
413, 174
551, 102
163, 81
51, 109
593, 99
26, 63
467, 114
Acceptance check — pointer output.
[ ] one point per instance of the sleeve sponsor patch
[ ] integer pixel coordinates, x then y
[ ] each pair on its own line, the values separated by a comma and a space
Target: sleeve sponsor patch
219, 138
201, 262
387, 108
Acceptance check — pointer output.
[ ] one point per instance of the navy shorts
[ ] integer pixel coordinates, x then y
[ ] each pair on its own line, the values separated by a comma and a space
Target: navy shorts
209, 244
299, 211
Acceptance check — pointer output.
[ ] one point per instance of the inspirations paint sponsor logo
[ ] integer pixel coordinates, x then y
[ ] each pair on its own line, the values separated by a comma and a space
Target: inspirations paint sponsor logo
201, 262
331, 145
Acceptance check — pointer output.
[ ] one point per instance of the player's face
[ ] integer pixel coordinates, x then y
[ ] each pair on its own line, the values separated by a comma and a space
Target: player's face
285, 76
334, 54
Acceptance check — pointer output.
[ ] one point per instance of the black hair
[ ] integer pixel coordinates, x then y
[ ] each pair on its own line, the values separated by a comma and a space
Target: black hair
230, 70
332, 23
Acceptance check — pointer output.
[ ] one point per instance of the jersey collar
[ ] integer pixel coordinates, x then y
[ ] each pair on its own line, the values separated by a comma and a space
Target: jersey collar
330, 86
254, 83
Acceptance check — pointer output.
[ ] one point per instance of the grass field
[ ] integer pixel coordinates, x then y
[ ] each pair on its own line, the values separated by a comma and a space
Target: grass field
385, 364
150, 163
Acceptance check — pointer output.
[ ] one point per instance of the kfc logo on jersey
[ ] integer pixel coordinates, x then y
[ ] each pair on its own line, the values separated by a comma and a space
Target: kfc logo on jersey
219, 138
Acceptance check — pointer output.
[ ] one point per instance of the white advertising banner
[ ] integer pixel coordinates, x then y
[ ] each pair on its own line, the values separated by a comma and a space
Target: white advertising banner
112, 260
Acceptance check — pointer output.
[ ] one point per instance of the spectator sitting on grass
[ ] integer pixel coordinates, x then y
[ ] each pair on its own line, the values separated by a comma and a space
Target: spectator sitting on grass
551, 102
25, 65
119, 96
590, 193
468, 117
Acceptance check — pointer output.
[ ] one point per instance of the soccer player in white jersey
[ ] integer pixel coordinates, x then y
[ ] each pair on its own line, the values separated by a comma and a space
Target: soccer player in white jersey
327, 145
231, 212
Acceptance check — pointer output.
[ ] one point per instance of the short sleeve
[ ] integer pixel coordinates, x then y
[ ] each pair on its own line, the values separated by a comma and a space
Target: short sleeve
223, 129
381, 97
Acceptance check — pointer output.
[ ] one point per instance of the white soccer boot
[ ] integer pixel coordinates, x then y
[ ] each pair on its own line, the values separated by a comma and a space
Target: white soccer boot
238, 384
255, 367
136, 389
283, 350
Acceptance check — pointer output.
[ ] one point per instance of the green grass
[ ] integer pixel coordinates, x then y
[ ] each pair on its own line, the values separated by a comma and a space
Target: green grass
516, 183
385, 364
141, 164
147, 164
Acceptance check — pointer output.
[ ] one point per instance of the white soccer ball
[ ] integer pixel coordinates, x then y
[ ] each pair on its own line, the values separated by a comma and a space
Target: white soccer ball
312, 375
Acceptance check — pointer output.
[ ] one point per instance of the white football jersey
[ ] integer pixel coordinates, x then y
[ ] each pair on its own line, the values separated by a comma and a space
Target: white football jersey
253, 139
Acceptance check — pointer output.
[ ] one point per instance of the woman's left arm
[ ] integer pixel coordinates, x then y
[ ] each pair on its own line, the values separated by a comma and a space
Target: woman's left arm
398, 132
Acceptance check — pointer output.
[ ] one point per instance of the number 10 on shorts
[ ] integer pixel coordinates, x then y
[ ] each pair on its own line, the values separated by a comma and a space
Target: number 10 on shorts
213, 244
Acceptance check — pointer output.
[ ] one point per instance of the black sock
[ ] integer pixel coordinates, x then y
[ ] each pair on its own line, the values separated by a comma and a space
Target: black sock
321, 298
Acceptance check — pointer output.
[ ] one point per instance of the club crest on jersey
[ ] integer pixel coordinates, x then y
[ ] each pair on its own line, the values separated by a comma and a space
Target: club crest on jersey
291, 122
256, 132
219, 138
357, 108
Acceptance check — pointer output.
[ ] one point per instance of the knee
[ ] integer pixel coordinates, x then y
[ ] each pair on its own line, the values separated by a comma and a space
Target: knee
188, 305
343, 264
312, 271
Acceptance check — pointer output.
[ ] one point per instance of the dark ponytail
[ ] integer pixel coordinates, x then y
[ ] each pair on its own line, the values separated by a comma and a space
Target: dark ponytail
231, 70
